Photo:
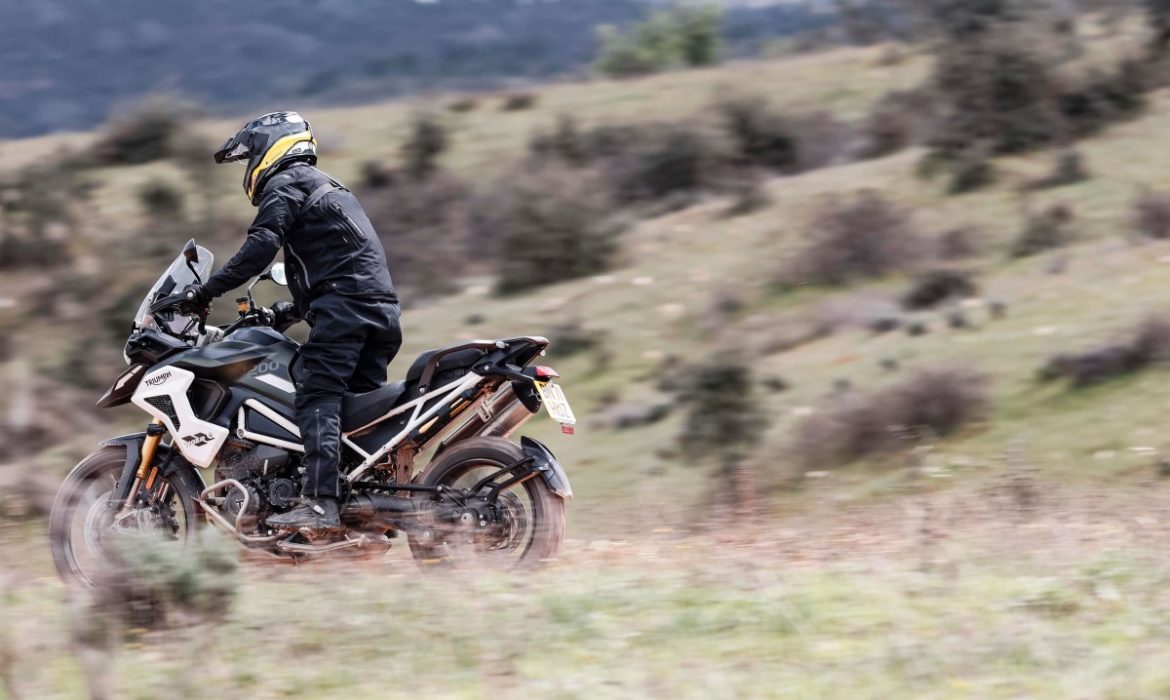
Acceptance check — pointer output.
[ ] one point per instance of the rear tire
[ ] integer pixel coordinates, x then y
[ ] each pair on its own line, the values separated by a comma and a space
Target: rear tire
548, 509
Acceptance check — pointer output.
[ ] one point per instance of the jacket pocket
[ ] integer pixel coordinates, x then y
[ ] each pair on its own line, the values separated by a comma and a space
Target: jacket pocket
351, 233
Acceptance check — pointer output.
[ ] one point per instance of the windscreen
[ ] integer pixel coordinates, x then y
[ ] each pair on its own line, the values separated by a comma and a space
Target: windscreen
177, 276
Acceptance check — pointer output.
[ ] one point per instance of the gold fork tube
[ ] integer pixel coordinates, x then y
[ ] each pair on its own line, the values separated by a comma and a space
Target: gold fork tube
149, 449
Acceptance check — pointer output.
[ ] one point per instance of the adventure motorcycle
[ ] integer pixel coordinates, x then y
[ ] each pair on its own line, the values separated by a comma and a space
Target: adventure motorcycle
222, 399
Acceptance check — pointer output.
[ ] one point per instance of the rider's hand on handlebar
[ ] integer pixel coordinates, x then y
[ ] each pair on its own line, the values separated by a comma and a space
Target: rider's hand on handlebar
195, 301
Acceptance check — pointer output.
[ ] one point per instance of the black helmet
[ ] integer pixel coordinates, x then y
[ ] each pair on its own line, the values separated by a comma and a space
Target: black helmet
269, 143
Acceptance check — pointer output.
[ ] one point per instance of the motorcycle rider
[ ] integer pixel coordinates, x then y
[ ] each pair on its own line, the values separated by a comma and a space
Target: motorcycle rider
340, 285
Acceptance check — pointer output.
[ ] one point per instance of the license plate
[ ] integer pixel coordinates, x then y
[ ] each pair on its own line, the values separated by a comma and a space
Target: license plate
556, 403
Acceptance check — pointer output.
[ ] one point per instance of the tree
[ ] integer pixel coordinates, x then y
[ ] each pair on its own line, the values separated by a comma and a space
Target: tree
670, 38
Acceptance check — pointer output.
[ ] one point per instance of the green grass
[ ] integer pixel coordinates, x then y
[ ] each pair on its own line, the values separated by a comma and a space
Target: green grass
973, 617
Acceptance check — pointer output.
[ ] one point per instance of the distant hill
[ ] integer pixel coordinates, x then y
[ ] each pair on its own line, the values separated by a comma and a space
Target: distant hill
65, 63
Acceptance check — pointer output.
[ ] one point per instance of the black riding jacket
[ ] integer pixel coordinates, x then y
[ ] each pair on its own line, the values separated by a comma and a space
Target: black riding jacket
329, 248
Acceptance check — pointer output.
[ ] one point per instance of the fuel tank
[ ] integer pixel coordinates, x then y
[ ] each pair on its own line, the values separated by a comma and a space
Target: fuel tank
258, 359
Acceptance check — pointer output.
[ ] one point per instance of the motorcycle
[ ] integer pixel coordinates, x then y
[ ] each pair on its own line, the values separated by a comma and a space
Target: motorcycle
430, 456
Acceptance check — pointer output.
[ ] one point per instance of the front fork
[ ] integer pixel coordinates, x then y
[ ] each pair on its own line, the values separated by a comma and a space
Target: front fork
145, 472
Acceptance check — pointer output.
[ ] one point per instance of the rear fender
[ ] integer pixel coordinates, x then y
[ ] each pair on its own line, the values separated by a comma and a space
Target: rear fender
174, 466
543, 459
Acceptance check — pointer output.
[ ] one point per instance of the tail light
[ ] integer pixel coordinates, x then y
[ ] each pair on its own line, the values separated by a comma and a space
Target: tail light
544, 373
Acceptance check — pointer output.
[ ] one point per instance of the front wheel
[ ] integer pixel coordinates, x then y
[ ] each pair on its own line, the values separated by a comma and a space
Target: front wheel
532, 517
83, 524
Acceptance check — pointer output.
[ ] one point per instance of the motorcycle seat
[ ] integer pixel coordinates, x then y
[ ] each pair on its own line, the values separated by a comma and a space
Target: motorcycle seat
362, 409
459, 360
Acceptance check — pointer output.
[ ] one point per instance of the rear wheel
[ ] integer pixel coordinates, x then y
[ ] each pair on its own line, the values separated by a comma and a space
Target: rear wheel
83, 525
530, 523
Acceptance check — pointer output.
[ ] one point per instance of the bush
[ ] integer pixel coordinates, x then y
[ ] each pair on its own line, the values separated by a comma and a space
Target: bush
572, 338
519, 101
659, 160
547, 225
566, 142
1092, 103
152, 131
375, 175
667, 39
937, 286
161, 200
1069, 169
898, 120
423, 225
1147, 345
1050, 229
1151, 212
748, 194
929, 404
855, 239
996, 92
641, 162
971, 171
463, 104
960, 243
426, 142
723, 418
786, 144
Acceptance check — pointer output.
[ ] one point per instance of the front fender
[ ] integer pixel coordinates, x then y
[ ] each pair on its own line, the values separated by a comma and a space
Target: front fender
132, 443
552, 471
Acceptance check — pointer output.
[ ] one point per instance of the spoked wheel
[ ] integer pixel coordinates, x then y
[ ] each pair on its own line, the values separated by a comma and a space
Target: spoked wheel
525, 525
83, 526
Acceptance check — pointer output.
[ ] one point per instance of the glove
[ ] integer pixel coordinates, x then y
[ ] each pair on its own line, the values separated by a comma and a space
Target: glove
284, 315
196, 300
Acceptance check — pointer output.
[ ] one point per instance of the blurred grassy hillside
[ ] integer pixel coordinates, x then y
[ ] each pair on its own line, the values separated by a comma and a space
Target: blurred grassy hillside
655, 307
1011, 545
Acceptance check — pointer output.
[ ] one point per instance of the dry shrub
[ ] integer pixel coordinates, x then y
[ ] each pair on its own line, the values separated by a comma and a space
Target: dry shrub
1104, 97
1151, 214
665, 160
375, 175
572, 338
1069, 169
151, 131
971, 171
929, 404
851, 239
934, 287
642, 163
519, 101
900, 119
1147, 345
547, 225
748, 194
724, 417
423, 227
960, 243
996, 91
424, 145
783, 143
463, 104
1050, 229
161, 200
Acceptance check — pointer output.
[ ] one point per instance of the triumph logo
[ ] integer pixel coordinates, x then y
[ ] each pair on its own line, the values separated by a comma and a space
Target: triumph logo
198, 439
159, 379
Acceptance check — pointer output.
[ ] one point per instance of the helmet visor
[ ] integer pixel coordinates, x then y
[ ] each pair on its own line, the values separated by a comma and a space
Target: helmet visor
232, 150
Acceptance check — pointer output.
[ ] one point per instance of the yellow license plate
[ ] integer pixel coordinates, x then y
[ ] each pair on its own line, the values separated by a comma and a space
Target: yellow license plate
555, 403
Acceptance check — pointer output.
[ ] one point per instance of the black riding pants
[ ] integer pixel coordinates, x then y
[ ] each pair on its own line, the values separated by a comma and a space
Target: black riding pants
352, 341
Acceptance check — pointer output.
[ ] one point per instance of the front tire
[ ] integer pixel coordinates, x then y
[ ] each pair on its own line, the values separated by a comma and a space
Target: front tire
80, 521
466, 462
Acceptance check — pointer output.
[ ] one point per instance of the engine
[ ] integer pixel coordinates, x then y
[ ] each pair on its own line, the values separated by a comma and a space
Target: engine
267, 474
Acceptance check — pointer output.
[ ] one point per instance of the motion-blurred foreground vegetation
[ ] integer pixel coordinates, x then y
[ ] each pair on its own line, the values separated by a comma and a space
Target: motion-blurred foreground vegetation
868, 340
